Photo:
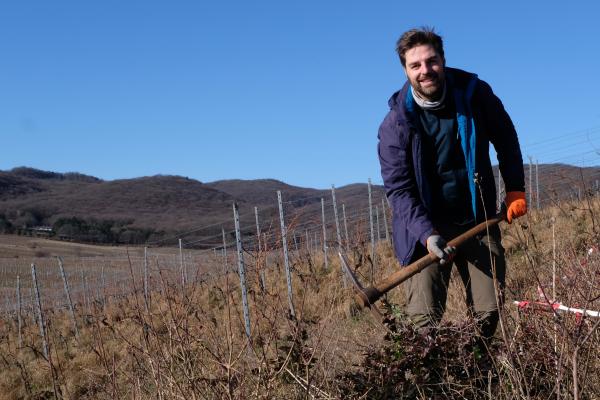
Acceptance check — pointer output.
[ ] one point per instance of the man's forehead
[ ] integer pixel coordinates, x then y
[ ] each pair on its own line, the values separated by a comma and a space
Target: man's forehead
420, 53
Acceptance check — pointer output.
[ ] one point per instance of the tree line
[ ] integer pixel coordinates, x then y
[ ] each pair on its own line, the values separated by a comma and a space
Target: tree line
88, 230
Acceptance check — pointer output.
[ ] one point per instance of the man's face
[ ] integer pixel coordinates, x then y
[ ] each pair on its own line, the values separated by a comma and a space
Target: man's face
425, 71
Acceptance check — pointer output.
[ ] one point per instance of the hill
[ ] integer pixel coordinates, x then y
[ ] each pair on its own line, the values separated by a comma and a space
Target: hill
159, 209
150, 209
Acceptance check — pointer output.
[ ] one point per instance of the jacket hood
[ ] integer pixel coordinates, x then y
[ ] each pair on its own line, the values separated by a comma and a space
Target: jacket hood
396, 99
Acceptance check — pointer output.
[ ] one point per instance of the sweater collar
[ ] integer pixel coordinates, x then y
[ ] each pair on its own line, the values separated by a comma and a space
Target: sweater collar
426, 104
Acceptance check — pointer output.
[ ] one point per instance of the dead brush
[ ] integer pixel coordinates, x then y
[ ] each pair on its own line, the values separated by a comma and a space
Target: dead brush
189, 342
554, 265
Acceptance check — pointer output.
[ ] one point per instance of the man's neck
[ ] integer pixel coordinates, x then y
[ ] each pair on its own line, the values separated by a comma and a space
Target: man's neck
428, 104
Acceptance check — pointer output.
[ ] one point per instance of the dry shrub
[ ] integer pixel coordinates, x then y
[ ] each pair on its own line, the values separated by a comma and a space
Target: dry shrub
190, 342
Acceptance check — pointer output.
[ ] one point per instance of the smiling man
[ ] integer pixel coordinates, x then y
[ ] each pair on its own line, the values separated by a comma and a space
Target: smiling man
435, 164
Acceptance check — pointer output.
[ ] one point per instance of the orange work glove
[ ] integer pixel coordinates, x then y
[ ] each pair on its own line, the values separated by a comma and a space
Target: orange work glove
516, 205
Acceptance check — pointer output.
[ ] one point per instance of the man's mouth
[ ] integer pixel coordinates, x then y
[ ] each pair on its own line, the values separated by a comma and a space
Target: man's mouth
428, 81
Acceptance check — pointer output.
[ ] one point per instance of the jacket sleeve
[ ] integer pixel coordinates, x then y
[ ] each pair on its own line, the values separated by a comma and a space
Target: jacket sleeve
503, 136
399, 178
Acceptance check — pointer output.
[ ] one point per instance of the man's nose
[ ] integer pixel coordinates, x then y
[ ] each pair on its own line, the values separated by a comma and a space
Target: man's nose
425, 68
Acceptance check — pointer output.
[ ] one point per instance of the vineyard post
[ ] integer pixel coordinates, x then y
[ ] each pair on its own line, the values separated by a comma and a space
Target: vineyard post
324, 234
146, 297
7, 307
261, 249
241, 270
97, 288
345, 227
337, 226
537, 186
307, 241
288, 274
502, 190
385, 221
86, 300
530, 188
553, 221
372, 232
335, 216
19, 321
257, 228
32, 304
40, 312
181, 264
68, 294
499, 198
265, 249
103, 283
377, 224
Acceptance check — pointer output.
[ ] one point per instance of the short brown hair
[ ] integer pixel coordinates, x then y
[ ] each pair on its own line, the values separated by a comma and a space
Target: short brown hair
416, 37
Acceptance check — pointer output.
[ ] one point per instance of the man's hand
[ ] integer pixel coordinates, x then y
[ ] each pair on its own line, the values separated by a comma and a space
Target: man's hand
437, 245
516, 205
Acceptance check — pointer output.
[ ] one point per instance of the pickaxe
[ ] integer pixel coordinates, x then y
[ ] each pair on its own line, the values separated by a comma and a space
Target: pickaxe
366, 297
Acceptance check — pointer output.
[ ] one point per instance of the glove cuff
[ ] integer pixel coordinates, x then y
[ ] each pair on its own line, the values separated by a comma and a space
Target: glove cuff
512, 196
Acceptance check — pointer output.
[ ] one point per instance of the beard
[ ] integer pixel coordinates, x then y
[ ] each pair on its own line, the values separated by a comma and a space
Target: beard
433, 91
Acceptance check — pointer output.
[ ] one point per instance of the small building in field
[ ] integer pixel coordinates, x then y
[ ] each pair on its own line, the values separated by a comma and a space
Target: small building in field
41, 231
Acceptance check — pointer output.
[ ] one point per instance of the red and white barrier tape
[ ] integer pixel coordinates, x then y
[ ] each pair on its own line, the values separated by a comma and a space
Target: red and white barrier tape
555, 306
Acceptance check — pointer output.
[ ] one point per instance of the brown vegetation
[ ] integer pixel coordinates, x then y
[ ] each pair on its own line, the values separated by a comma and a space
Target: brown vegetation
190, 342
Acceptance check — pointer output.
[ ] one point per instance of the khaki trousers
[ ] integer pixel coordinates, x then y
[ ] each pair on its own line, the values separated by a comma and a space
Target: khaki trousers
477, 261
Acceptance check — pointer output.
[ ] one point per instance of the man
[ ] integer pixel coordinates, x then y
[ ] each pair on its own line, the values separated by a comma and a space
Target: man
435, 164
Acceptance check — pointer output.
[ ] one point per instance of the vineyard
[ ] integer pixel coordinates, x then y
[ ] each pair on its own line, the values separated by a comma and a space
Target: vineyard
266, 312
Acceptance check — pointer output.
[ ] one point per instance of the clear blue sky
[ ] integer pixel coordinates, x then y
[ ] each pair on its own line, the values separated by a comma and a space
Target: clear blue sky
273, 89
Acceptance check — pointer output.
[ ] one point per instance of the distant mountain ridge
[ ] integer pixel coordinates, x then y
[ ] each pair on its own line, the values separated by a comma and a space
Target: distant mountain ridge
33, 173
149, 209
143, 209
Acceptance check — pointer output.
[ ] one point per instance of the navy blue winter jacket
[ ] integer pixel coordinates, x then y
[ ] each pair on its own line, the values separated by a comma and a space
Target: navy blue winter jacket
481, 119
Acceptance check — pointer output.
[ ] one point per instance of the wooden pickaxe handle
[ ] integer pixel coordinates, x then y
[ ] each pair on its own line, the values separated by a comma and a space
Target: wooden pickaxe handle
369, 295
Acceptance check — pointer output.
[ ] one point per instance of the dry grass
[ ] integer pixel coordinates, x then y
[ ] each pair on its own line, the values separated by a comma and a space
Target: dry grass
190, 342
14, 246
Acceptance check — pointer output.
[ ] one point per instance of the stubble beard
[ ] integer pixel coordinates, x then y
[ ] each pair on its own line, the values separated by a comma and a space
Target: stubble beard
431, 93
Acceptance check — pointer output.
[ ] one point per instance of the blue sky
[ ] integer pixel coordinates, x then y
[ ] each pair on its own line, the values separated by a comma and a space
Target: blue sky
271, 89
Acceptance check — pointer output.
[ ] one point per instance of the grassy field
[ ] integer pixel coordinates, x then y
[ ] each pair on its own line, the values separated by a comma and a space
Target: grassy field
14, 246
189, 341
